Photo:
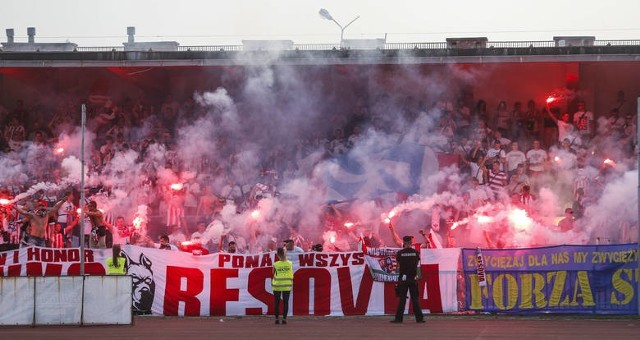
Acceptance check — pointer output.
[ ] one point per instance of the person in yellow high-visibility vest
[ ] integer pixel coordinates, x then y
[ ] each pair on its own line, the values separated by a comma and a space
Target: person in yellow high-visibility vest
282, 283
116, 263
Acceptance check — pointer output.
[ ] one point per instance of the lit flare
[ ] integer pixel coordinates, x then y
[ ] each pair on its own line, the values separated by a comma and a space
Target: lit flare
484, 219
137, 222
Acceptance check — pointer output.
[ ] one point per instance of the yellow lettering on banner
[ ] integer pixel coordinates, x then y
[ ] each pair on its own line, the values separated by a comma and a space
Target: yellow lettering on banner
503, 262
558, 279
512, 291
584, 288
560, 258
622, 286
532, 286
471, 261
477, 292
580, 256
623, 256
538, 260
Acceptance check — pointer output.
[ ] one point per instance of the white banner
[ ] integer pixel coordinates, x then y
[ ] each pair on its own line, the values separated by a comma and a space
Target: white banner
177, 283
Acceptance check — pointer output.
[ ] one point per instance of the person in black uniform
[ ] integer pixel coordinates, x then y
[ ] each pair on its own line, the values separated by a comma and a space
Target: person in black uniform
408, 260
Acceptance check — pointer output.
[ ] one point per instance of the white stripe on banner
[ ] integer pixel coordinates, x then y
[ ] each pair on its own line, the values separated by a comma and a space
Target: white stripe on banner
178, 283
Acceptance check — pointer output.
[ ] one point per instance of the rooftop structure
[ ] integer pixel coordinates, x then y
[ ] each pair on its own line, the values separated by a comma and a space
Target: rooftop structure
353, 51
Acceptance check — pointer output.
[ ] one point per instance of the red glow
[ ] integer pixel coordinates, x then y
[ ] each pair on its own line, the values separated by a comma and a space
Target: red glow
520, 220
484, 219
556, 158
332, 239
609, 162
79, 211
137, 222
348, 224
176, 186
255, 214
59, 150
390, 215
4, 201
551, 99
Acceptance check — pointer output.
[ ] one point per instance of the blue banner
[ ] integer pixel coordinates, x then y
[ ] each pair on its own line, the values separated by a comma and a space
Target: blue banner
562, 279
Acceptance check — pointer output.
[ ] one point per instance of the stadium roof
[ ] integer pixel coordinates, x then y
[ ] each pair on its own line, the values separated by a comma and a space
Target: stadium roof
358, 51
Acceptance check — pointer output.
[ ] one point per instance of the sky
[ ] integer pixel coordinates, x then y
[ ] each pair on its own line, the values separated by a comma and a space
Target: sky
212, 22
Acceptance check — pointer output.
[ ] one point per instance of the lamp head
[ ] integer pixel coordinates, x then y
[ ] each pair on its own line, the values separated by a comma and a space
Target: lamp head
325, 14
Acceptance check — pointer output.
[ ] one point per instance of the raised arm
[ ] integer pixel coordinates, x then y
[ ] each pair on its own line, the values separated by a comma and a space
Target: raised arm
555, 119
396, 238
427, 243
96, 213
54, 210
23, 211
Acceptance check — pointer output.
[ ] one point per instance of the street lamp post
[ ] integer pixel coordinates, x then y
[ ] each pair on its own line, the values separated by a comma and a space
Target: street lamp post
325, 14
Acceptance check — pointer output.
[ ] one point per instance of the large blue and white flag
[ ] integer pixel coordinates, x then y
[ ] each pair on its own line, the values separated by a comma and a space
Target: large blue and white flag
401, 168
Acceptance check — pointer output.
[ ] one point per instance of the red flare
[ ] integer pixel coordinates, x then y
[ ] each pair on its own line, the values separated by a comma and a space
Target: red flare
176, 186
4, 201
255, 214
348, 224
484, 219
137, 222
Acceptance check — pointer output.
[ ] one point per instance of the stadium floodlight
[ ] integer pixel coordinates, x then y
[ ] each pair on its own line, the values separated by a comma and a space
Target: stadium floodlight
326, 15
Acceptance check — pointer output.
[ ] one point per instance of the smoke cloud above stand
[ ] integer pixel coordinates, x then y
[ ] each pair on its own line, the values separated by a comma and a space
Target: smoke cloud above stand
303, 150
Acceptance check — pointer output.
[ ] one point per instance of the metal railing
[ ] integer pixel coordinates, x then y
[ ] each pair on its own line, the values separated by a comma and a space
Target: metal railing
616, 43
101, 49
520, 44
387, 46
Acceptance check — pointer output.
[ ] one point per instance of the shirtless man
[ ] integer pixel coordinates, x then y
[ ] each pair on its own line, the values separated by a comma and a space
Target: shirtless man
98, 226
39, 220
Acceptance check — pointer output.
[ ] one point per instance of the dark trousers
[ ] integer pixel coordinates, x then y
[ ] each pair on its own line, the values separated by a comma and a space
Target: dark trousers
284, 296
412, 288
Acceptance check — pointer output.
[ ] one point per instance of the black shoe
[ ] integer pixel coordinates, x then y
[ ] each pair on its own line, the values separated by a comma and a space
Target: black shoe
277, 322
420, 321
396, 321
284, 322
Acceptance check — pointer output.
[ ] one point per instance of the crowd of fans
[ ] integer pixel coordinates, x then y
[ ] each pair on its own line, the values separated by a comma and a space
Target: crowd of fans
504, 155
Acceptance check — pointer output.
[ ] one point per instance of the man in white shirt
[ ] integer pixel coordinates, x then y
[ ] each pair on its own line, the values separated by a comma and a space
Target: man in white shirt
497, 155
65, 217
291, 247
514, 158
164, 244
177, 236
584, 123
536, 160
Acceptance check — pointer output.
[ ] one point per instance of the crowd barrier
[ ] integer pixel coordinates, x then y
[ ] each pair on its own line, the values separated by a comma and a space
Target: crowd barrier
65, 300
589, 279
